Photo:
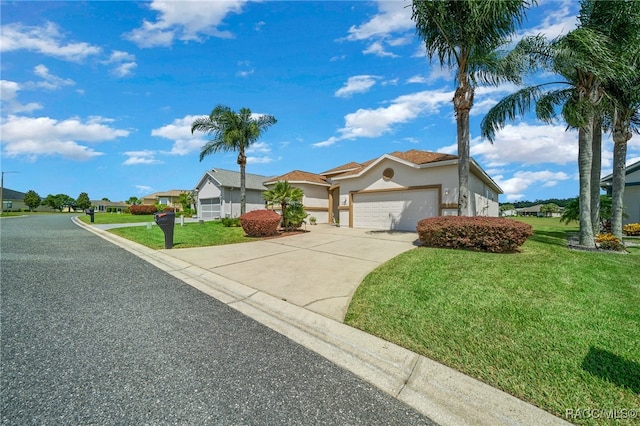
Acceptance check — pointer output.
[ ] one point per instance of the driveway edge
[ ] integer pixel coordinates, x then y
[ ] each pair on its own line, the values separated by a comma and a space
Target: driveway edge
443, 394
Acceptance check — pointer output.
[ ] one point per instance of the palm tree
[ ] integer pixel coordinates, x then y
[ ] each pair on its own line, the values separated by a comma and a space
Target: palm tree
464, 35
284, 194
232, 131
586, 60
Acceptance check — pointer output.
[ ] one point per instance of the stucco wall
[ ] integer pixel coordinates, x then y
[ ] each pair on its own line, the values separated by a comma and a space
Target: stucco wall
484, 200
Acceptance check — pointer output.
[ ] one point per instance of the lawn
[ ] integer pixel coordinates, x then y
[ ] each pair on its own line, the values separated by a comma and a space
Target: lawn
555, 327
189, 235
111, 218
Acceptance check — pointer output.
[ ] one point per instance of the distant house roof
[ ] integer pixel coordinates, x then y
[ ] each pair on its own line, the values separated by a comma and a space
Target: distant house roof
109, 203
170, 193
10, 194
231, 179
298, 176
532, 209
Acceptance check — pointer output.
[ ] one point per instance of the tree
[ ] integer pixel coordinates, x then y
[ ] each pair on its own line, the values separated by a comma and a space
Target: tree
133, 201
584, 59
83, 202
59, 201
185, 199
232, 131
464, 35
549, 209
32, 199
283, 194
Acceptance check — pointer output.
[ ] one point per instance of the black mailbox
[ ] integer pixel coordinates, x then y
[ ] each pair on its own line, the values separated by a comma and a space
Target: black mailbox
166, 221
90, 212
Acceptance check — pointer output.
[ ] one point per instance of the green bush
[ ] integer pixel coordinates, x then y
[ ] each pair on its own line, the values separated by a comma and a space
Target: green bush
489, 234
631, 229
295, 215
260, 223
609, 242
143, 209
230, 222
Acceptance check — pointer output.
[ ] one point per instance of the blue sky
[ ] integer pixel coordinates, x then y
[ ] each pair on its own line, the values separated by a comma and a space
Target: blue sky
98, 97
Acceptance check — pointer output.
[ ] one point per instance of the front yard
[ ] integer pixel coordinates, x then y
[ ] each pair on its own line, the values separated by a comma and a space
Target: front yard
552, 326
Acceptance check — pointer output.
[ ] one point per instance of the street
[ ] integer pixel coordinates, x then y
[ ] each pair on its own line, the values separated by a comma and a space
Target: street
91, 334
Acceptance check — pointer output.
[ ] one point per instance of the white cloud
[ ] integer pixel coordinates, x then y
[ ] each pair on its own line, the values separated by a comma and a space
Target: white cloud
258, 147
124, 63
560, 19
46, 40
357, 84
140, 157
376, 48
144, 189
33, 137
51, 82
515, 186
259, 160
9, 98
184, 21
371, 123
184, 142
528, 144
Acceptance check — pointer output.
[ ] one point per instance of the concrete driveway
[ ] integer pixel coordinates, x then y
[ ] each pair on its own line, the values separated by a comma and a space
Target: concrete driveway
318, 270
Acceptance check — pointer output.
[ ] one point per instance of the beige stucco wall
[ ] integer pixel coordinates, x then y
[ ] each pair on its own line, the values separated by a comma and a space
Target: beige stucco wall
484, 200
631, 198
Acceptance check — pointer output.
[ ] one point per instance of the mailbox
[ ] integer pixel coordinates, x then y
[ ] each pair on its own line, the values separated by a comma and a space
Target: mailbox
90, 212
166, 221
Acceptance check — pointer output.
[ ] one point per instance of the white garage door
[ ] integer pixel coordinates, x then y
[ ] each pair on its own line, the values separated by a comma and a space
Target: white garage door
209, 208
396, 210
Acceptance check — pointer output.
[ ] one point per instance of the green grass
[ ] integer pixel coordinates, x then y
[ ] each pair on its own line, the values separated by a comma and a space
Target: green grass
189, 235
554, 327
115, 218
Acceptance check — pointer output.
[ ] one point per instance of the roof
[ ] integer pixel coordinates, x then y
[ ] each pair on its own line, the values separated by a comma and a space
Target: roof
413, 156
341, 169
231, 179
169, 193
10, 194
300, 176
633, 167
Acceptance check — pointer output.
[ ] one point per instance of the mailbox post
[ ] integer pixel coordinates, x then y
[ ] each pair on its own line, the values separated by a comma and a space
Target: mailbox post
90, 212
166, 222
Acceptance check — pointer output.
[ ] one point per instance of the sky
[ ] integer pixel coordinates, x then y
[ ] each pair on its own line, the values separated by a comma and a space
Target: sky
99, 97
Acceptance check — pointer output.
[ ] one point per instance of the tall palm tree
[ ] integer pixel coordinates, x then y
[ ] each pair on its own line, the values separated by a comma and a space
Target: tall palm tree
232, 131
284, 194
464, 35
586, 61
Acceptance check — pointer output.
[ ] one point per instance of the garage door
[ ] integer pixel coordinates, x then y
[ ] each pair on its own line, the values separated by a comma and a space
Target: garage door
209, 208
396, 210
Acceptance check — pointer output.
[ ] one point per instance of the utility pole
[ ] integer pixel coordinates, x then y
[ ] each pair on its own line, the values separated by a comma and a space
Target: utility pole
2, 191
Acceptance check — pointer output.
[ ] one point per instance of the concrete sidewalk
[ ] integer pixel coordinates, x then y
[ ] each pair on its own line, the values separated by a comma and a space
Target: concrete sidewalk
242, 276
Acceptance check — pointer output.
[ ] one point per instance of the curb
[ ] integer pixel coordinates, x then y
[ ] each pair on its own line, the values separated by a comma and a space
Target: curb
443, 394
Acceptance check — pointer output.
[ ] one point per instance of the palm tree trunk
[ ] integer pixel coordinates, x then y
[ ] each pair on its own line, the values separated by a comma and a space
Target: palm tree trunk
585, 160
462, 103
242, 161
596, 167
620, 138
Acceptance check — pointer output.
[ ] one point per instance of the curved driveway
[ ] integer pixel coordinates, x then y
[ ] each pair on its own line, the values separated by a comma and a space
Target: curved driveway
92, 334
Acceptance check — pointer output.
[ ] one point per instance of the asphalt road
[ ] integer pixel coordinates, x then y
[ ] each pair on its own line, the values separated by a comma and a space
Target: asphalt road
91, 334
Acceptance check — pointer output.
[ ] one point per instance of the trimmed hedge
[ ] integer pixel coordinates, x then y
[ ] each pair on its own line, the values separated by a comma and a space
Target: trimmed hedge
143, 209
489, 234
260, 223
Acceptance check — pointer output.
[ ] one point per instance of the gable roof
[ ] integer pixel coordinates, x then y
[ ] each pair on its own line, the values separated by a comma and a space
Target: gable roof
341, 169
231, 179
10, 194
169, 193
299, 176
608, 180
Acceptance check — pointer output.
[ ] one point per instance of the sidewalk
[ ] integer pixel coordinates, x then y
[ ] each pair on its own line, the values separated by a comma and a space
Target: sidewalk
288, 305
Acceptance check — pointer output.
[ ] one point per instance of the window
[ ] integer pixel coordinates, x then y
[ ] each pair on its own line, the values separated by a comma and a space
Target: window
387, 174
164, 201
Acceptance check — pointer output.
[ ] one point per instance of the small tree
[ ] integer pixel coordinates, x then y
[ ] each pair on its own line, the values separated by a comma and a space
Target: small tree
59, 201
83, 202
549, 209
284, 194
32, 199
185, 199
133, 201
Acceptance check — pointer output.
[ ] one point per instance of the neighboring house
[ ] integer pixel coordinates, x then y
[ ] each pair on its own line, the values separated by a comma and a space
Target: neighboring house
393, 191
509, 213
536, 211
109, 206
218, 193
631, 198
166, 198
13, 200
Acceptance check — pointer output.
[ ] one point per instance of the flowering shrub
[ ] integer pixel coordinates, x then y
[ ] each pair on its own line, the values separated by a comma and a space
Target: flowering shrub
490, 234
631, 229
260, 223
609, 242
143, 209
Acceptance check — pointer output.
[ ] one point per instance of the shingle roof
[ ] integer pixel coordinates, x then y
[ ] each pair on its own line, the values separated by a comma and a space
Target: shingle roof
300, 176
231, 179
422, 157
10, 194
340, 169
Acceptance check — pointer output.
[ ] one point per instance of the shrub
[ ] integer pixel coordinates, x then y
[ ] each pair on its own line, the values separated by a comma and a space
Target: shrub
295, 215
609, 242
230, 222
490, 234
143, 209
260, 223
631, 229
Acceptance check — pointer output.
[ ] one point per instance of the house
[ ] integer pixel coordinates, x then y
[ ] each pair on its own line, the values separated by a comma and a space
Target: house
218, 193
537, 211
631, 197
13, 200
109, 206
166, 198
393, 191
